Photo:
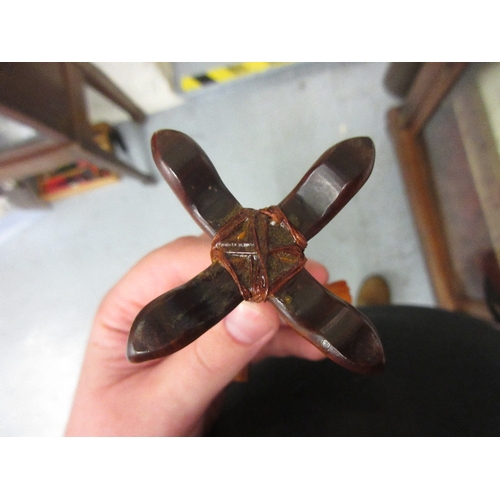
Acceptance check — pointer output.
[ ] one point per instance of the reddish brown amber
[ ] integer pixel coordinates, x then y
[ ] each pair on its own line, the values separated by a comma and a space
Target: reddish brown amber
261, 251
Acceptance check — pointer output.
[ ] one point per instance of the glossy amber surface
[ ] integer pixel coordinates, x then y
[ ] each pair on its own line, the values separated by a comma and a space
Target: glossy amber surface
259, 255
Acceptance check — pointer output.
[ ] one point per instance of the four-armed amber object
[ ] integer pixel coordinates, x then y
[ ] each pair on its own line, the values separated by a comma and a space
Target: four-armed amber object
259, 255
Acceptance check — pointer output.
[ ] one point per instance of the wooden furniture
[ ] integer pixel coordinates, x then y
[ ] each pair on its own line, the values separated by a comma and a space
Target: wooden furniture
448, 146
49, 98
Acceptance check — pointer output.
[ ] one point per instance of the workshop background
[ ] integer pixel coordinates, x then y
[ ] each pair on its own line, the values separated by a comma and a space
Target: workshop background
262, 129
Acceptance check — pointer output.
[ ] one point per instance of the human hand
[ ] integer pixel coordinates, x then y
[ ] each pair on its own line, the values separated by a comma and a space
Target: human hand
171, 396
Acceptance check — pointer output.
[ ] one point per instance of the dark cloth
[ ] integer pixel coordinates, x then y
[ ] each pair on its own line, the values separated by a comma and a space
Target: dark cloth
442, 378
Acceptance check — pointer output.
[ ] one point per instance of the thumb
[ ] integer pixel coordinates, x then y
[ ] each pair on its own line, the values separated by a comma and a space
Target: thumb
226, 348
205, 367
251, 323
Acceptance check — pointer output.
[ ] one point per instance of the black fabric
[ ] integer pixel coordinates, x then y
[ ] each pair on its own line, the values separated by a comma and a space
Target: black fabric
442, 378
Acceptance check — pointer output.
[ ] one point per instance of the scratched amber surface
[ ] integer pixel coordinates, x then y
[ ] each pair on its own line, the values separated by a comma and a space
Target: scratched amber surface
260, 250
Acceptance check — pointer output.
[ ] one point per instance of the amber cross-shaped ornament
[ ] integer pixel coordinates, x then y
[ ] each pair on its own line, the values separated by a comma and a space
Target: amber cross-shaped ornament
258, 255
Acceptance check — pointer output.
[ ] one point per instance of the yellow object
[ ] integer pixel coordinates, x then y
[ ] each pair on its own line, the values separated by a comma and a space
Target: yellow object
224, 74
374, 291
189, 83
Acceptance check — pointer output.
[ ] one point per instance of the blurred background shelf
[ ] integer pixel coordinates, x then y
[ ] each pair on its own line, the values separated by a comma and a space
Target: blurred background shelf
50, 99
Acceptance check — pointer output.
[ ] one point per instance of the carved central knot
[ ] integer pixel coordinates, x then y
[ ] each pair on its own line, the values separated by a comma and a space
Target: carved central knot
261, 250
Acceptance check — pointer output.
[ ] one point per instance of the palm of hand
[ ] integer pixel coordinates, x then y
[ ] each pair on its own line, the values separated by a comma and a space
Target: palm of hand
171, 396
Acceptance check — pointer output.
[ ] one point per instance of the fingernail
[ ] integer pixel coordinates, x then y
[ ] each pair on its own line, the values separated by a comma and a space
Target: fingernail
249, 323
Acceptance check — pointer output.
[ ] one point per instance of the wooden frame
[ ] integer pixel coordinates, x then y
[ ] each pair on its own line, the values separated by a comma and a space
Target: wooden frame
49, 97
406, 123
